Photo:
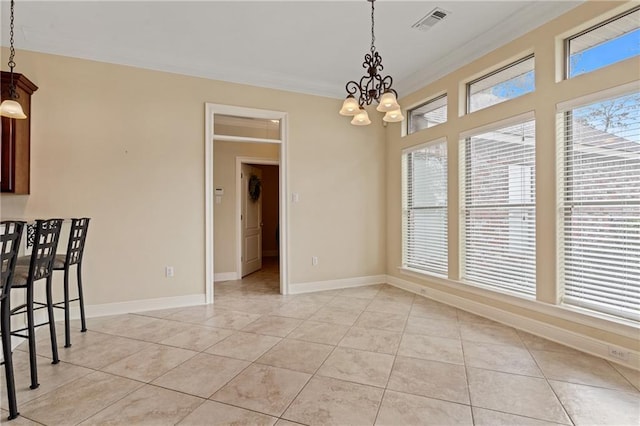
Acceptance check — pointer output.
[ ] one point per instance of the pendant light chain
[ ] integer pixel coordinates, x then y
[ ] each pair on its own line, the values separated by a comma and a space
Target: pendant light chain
12, 53
10, 107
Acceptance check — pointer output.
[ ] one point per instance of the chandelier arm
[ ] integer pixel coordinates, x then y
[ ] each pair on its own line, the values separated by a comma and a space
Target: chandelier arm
365, 83
385, 85
381, 86
368, 62
370, 89
352, 87
376, 62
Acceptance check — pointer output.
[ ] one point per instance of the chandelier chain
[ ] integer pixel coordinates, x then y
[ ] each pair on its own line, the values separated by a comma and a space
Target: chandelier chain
373, 34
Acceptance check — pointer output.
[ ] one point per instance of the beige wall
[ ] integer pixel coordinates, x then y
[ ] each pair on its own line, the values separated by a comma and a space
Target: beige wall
125, 146
224, 214
549, 91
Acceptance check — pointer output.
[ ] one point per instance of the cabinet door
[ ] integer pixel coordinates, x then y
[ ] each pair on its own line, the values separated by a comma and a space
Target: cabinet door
16, 139
7, 167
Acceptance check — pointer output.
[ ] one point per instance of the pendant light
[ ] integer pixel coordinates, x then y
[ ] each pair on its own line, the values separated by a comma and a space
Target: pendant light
371, 87
10, 107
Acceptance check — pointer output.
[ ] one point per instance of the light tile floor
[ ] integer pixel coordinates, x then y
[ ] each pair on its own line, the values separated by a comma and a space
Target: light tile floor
361, 356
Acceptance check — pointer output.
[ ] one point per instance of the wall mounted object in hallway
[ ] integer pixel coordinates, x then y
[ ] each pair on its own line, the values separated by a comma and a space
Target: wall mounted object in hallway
255, 187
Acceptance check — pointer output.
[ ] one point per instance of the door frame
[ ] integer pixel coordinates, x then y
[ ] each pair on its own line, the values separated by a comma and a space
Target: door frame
210, 110
239, 162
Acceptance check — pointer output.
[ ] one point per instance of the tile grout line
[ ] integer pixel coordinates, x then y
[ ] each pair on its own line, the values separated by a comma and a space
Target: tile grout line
323, 362
395, 357
311, 376
466, 371
546, 379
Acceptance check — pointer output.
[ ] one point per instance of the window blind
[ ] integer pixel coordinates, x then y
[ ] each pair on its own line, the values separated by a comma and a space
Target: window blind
600, 206
429, 114
425, 208
498, 201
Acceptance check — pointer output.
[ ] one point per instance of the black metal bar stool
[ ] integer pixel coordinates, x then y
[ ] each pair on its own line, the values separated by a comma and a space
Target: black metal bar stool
63, 262
10, 235
47, 233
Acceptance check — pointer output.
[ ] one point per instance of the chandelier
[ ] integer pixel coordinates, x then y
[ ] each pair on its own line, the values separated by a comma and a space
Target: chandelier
10, 107
371, 87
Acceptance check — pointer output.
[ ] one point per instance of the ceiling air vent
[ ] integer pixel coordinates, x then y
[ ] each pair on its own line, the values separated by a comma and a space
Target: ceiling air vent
432, 18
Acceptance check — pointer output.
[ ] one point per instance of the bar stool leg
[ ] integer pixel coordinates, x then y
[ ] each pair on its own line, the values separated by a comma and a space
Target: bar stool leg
67, 327
81, 298
5, 325
52, 321
32, 339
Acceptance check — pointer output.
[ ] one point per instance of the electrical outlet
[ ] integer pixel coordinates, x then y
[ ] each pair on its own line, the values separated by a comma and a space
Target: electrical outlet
314, 260
168, 271
618, 353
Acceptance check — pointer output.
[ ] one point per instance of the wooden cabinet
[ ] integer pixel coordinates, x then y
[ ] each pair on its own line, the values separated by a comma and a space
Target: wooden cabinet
16, 138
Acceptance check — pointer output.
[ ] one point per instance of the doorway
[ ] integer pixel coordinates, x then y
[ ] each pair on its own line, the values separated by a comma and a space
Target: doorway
258, 207
212, 137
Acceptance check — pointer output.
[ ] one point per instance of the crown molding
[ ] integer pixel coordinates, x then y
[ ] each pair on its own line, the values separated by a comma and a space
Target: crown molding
515, 26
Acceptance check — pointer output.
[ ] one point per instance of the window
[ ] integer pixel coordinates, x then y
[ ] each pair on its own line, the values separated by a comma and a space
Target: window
498, 200
508, 82
607, 43
428, 114
600, 206
249, 127
425, 208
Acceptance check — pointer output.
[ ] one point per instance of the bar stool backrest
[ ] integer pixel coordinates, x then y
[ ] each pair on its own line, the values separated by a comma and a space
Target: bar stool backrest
77, 237
44, 248
10, 235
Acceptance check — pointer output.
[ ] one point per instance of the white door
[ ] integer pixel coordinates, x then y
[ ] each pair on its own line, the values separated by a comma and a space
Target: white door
251, 219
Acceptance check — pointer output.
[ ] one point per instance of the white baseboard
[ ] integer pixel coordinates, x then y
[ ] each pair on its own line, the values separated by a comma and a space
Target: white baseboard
133, 306
106, 309
565, 337
297, 288
270, 253
226, 276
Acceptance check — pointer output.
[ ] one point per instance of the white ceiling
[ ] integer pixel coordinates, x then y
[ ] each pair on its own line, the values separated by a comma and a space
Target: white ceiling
304, 46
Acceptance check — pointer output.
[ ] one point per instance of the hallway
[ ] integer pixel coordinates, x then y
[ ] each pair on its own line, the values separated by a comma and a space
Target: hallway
263, 281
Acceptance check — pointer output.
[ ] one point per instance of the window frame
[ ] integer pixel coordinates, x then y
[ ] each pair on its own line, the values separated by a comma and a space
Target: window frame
405, 170
420, 105
567, 40
468, 84
463, 185
566, 197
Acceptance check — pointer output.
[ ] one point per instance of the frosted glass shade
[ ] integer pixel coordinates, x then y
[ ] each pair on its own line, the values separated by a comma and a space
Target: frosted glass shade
350, 106
361, 118
12, 109
393, 116
388, 102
